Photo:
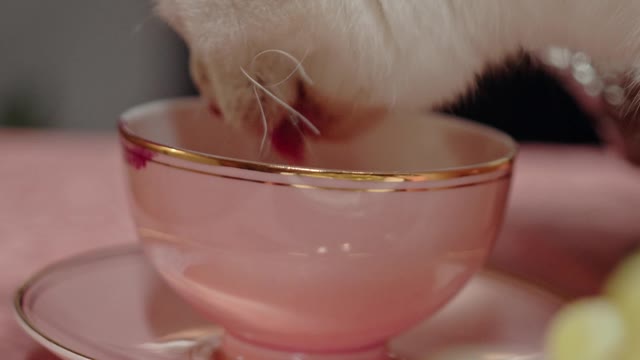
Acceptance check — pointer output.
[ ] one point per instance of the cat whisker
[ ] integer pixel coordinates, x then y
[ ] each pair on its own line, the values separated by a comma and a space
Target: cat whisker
265, 124
299, 67
296, 125
635, 105
288, 107
631, 106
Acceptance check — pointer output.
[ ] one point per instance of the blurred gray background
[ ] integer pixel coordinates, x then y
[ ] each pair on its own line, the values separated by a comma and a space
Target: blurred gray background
77, 64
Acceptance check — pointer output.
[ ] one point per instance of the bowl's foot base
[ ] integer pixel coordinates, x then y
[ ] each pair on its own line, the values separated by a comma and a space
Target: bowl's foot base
233, 348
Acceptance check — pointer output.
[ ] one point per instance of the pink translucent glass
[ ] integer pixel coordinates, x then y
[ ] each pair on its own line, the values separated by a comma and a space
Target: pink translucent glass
310, 259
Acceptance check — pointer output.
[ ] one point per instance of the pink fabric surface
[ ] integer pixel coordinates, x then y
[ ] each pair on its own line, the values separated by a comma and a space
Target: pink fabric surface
60, 194
573, 212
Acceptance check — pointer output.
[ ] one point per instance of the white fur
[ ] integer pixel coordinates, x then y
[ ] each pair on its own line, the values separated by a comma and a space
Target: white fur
384, 53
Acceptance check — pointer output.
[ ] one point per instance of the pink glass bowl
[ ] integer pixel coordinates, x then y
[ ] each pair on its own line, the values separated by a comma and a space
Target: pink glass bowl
365, 240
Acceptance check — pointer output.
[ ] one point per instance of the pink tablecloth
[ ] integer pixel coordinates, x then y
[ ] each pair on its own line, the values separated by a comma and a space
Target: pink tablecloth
573, 211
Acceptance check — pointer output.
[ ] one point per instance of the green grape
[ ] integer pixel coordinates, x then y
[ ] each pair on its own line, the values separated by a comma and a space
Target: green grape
590, 329
623, 288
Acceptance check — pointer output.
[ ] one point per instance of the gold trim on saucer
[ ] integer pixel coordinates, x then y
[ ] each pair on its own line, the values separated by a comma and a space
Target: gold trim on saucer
92, 255
30, 328
505, 162
19, 298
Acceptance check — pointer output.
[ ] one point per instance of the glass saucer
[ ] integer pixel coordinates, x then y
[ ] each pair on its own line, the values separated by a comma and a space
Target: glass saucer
109, 304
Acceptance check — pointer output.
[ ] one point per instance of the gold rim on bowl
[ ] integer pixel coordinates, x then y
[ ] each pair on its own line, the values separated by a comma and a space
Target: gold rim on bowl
503, 163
